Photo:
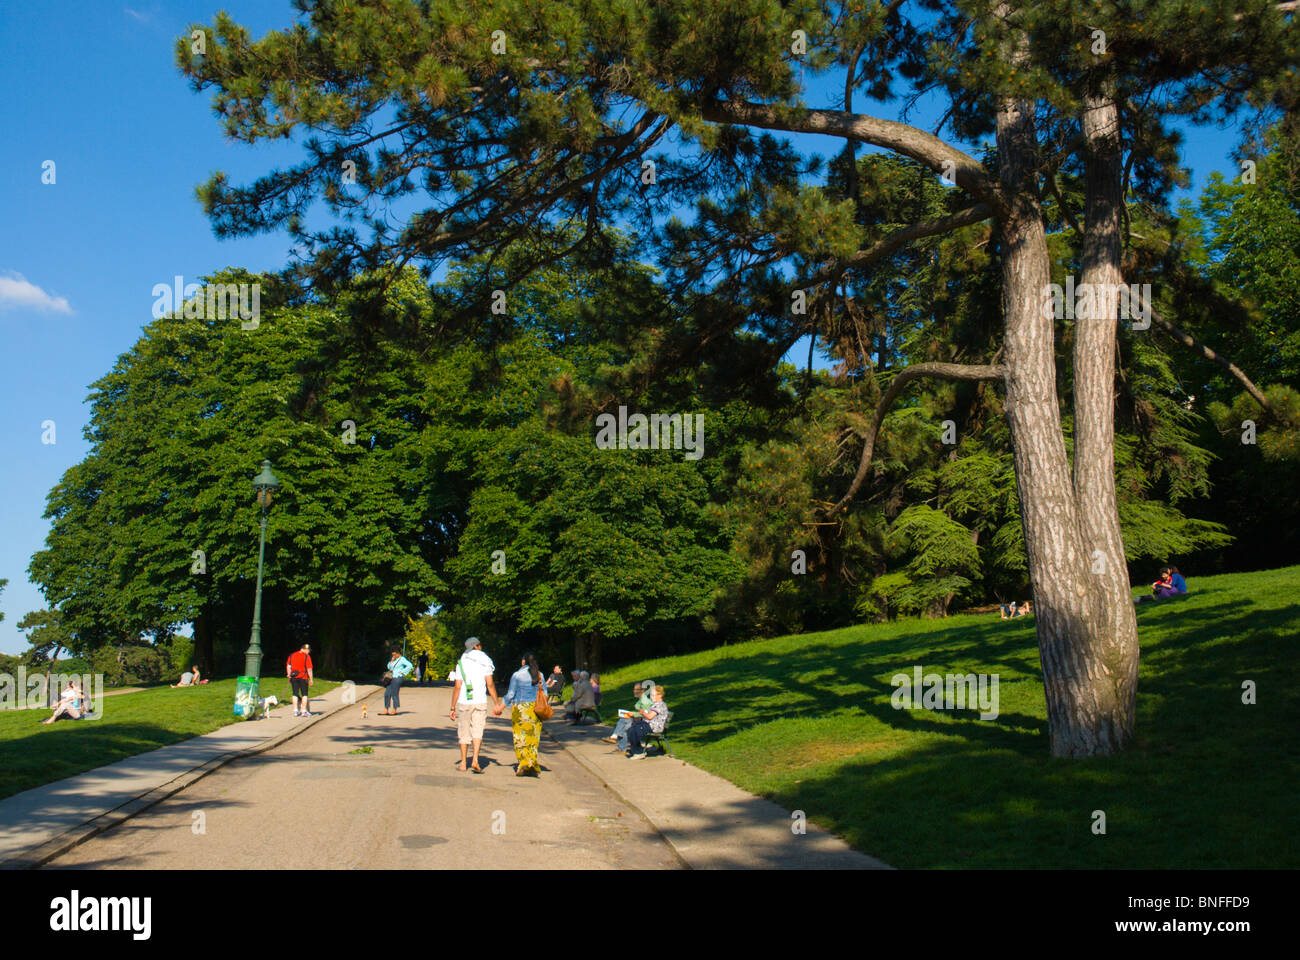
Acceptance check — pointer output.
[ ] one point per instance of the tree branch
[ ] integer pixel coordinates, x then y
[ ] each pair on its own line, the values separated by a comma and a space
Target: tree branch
902, 138
900, 238
944, 371
1187, 340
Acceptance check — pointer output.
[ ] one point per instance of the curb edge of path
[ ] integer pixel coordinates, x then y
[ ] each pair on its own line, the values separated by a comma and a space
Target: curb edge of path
591, 769
43, 853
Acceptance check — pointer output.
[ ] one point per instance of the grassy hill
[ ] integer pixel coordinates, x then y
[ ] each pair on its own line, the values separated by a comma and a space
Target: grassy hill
32, 753
807, 721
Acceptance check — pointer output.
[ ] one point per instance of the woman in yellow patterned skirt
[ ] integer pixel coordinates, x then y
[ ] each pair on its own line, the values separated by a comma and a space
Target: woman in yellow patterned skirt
527, 729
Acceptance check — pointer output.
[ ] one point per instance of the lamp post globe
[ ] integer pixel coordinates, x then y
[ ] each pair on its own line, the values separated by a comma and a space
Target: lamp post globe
265, 485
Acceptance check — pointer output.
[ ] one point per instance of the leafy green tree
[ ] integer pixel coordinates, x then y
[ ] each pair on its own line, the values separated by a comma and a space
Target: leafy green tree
46, 636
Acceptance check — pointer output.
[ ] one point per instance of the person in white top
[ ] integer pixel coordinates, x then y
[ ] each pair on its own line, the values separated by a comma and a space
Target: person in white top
469, 699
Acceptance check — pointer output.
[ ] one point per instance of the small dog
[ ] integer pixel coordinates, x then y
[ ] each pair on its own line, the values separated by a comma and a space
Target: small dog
268, 703
363, 710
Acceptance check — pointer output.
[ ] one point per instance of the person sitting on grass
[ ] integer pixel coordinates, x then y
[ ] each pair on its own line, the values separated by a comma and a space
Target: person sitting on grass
1179, 584
1165, 588
643, 701
651, 721
1024, 610
1009, 610
69, 703
190, 678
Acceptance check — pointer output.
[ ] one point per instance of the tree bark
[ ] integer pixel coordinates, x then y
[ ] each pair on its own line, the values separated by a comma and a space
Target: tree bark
1085, 717
1112, 687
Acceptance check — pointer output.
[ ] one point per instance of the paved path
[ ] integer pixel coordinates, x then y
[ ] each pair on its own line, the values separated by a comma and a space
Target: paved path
311, 803
710, 822
42, 815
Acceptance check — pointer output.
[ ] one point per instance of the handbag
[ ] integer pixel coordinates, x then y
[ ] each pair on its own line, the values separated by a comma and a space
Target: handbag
387, 678
542, 705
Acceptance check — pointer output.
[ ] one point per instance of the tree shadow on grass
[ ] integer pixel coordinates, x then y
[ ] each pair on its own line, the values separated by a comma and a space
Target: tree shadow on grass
1204, 785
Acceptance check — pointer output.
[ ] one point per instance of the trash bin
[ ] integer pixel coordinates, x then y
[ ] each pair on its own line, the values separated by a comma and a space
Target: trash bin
246, 698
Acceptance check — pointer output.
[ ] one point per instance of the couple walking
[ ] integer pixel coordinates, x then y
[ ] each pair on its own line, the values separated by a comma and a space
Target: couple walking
473, 688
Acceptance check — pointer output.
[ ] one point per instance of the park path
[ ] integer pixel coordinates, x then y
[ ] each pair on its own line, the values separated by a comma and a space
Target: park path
311, 803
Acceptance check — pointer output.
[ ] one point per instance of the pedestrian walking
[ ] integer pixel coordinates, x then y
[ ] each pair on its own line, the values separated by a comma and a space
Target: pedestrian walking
521, 698
424, 669
298, 668
469, 699
398, 668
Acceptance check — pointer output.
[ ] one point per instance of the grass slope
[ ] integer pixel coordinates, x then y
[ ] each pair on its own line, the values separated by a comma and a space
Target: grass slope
807, 721
32, 754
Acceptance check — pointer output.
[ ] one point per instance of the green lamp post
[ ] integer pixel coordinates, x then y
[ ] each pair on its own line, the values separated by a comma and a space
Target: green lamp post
265, 484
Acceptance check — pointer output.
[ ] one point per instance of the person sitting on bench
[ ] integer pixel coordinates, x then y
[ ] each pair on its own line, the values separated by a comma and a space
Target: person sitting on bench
644, 699
651, 721
584, 698
555, 685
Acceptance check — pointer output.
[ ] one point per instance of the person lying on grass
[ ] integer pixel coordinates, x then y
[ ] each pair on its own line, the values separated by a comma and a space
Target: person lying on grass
189, 678
1009, 610
69, 703
1024, 610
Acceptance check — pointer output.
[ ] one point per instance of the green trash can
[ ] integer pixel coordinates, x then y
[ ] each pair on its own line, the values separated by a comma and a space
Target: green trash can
246, 698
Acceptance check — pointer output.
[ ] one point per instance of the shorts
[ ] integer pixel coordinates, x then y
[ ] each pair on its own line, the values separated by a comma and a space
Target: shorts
470, 721
299, 686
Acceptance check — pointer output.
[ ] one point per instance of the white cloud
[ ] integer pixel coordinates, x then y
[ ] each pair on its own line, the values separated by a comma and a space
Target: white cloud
143, 18
15, 291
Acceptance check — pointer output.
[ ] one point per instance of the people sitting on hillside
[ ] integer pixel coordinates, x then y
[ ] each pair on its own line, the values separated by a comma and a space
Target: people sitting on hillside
1170, 584
69, 705
190, 678
584, 698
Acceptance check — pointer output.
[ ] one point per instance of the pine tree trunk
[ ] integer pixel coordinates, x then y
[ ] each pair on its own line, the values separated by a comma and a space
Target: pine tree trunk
1110, 601
1085, 717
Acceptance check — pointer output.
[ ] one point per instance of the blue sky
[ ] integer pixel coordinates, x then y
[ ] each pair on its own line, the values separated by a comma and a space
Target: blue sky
93, 87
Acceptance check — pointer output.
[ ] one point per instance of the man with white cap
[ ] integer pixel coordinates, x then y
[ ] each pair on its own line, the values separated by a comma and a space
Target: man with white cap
469, 699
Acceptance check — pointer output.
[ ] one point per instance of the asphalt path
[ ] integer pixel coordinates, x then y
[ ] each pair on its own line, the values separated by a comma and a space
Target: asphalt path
313, 803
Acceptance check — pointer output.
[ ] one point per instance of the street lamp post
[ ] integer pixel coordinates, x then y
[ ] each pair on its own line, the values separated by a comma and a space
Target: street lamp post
265, 484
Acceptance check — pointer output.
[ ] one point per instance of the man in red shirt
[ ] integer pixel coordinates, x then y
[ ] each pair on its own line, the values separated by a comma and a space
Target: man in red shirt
298, 669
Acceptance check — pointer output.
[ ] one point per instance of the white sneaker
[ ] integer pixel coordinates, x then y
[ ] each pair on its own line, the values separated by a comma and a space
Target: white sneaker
297, 712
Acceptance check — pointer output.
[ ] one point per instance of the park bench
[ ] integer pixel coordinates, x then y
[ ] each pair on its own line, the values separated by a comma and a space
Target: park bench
661, 739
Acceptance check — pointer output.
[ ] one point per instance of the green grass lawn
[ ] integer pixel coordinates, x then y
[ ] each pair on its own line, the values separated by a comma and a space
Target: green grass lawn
32, 753
1210, 782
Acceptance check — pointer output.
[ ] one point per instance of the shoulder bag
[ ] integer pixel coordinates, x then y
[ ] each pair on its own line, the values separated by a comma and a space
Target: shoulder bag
542, 705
